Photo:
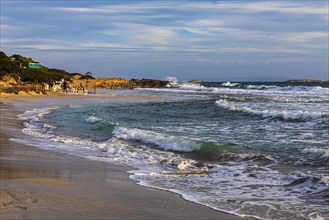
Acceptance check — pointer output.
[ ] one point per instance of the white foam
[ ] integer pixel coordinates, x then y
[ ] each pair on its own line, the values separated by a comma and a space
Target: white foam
93, 119
285, 114
229, 84
289, 88
223, 180
162, 141
261, 87
183, 165
193, 86
313, 94
35, 114
323, 152
319, 215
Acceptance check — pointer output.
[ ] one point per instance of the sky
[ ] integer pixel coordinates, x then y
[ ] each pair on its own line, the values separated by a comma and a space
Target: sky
210, 40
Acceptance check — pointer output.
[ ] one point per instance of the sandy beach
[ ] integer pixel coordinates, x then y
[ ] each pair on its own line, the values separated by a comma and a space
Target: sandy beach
42, 184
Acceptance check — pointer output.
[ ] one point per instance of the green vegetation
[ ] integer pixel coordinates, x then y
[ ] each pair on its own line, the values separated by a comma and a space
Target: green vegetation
87, 75
17, 66
24, 61
36, 75
6, 66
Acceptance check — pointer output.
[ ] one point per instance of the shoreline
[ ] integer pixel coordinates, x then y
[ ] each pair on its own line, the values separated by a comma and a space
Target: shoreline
37, 183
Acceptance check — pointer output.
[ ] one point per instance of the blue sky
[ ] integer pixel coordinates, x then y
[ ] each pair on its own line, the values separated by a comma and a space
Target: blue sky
211, 40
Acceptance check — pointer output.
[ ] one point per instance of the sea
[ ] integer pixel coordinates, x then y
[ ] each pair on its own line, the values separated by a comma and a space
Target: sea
258, 149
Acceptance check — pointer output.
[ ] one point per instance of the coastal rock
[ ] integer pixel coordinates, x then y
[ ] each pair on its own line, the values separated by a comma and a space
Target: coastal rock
115, 83
148, 83
112, 83
8, 80
196, 81
308, 80
76, 76
108, 83
305, 80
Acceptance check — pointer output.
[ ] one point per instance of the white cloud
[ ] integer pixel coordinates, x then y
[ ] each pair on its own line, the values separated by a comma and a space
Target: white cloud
128, 27
196, 30
203, 23
85, 10
302, 7
5, 28
303, 37
43, 47
284, 7
120, 7
244, 6
155, 35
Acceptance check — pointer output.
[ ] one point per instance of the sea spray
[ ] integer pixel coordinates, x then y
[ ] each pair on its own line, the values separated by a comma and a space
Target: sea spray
173, 81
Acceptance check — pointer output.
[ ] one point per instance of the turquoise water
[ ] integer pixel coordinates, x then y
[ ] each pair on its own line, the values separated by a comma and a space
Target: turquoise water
249, 149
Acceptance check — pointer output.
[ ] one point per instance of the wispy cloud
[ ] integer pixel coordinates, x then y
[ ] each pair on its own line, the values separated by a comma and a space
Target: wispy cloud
244, 31
317, 8
242, 6
304, 37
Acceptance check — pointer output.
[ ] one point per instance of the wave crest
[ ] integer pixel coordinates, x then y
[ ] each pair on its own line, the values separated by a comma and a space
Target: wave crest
93, 119
162, 141
229, 84
286, 115
35, 114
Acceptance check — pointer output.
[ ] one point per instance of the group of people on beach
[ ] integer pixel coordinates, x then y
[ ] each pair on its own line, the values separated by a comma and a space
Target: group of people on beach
62, 87
69, 88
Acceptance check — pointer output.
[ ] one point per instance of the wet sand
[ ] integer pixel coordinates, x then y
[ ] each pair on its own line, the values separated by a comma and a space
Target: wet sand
42, 184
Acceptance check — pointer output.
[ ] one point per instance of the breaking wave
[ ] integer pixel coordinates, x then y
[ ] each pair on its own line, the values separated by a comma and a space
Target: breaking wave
93, 119
229, 84
35, 114
288, 88
235, 88
162, 141
286, 115
173, 81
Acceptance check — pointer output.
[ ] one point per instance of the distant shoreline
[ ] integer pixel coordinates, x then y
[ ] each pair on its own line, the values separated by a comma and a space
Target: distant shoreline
306, 80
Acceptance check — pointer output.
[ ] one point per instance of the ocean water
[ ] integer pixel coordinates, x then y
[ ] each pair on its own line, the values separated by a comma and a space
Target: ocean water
251, 149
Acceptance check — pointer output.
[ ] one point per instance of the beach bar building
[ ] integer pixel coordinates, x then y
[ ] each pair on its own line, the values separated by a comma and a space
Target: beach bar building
35, 66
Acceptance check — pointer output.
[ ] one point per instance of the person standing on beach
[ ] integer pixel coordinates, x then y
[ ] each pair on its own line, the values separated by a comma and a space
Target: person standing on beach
65, 86
51, 84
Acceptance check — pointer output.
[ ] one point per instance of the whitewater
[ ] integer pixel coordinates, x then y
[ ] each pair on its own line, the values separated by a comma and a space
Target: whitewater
250, 149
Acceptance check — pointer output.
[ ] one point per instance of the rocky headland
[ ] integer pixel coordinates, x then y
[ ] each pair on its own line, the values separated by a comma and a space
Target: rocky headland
196, 81
306, 81
16, 75
117, 83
